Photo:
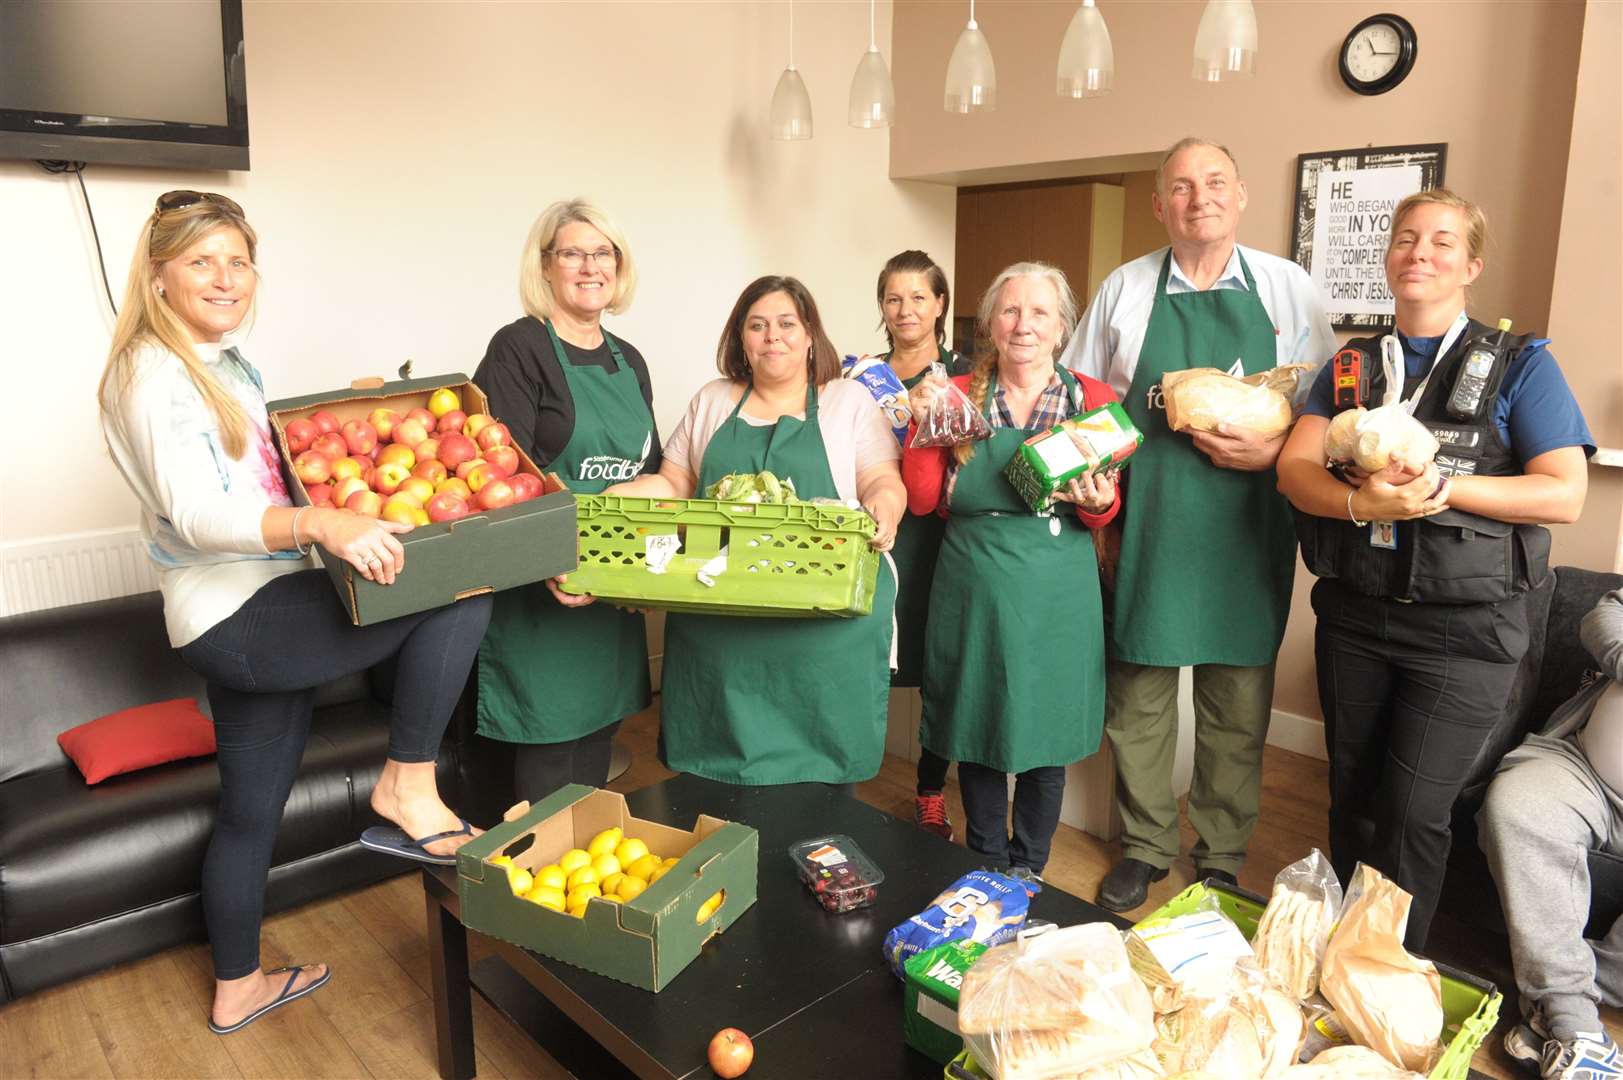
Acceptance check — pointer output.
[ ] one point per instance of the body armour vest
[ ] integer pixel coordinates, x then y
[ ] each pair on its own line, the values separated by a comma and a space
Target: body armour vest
1452, 557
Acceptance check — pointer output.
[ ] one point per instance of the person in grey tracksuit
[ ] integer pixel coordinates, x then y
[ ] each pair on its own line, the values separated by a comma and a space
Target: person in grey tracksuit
1554, 798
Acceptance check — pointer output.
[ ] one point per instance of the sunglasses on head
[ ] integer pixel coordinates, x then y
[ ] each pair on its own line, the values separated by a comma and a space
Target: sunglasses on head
179, 200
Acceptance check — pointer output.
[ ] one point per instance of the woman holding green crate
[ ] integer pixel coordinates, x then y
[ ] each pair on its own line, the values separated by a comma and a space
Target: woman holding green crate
780, 700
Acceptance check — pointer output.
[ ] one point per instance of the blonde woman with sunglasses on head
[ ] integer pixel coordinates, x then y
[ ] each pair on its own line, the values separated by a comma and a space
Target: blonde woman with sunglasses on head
185, 421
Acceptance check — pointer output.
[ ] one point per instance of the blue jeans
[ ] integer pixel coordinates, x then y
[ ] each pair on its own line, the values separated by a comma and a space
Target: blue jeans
263, 665
1037, 796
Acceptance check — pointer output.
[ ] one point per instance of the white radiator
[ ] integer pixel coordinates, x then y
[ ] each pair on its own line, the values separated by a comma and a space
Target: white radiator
73, 569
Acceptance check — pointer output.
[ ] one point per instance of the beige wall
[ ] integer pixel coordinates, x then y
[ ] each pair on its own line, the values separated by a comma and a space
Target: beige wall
400, 152
1507, 129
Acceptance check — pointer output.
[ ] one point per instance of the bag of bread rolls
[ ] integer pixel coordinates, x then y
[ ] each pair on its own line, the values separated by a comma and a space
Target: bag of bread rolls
1296, 925
1203, 398
1374, 439
1247, 1031
1349, 1063
1389, 1000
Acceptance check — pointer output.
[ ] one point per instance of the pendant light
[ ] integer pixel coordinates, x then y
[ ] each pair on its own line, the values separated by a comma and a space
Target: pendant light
791, 116
971, 78
1087, 63
1226, 43
873, 99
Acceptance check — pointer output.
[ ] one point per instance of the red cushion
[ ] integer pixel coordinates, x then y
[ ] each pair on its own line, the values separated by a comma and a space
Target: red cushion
136, 738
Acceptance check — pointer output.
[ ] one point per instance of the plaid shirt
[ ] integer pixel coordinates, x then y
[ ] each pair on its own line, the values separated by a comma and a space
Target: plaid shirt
1053, 405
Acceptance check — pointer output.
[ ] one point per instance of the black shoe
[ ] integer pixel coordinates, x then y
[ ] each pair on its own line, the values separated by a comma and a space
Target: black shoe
1127, 886
1212, 873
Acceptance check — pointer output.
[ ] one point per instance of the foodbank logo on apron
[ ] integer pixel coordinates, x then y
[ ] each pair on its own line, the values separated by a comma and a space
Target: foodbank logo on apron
612, 469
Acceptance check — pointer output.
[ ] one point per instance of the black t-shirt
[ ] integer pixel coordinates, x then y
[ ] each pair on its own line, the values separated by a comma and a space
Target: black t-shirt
525, 385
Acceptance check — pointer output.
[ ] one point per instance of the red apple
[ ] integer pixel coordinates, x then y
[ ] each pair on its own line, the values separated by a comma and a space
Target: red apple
325, 422
495, 494
415, 488
455, 449
451, 421
400, 511
526, 485
395, 454
730, 1053
312, 468
332, 444
360, 436
384, 421
343, 489
388, 477
482, 473
504, 458
349, 466
410, 432
428, 448
431, 470
301, 434
454, 486
428, 419
493, 435
447, 506
365, 502
476, 423
320, 494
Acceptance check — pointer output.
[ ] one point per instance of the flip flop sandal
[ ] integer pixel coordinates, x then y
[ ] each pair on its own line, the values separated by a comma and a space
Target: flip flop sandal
393, 841
288, 994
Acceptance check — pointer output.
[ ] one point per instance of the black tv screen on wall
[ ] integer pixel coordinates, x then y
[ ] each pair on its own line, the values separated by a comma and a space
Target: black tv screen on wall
161, 82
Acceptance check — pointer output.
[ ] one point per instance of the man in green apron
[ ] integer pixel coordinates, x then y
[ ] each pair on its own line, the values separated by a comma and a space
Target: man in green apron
1207, 553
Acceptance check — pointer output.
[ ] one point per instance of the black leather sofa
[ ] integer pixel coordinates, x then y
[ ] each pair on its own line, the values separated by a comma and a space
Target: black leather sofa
96, 876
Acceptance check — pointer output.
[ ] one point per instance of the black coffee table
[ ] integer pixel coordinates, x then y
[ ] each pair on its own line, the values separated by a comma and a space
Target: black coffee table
810, 988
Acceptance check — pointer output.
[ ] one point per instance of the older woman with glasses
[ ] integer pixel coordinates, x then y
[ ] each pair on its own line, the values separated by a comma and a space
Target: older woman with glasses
557, 673
185, 420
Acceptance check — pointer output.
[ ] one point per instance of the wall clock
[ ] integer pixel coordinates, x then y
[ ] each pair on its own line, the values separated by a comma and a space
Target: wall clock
1378, 54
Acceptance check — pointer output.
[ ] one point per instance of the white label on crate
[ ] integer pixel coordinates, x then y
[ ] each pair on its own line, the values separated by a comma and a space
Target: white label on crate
1060, 454
710, 571
938, 1013
660, 550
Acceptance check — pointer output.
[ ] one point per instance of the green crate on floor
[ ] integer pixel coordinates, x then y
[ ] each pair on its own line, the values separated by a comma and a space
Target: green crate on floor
1470, 1005
789, 559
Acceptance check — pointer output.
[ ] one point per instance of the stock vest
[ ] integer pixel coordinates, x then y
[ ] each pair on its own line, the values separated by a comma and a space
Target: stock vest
1452, 557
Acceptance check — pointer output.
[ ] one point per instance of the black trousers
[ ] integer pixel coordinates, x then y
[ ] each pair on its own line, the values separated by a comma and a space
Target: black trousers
539, 769
1410, 693
263, 665
932, 771
1037, 796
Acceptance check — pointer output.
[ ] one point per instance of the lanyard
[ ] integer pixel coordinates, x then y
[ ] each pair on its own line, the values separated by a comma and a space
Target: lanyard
1393, 367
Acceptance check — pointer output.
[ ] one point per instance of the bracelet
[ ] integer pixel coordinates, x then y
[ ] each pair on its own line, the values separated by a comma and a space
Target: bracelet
1350, 515
303, 549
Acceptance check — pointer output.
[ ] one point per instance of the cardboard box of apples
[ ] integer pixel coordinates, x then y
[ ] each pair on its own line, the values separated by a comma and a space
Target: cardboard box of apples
578, 878
426, 452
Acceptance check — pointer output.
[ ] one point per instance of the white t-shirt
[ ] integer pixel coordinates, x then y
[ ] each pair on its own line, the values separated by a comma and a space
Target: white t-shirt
856, 434
200, 508
1108, 340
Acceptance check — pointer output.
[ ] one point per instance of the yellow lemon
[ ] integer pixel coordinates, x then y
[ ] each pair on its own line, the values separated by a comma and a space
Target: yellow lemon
584, 876
579, 894
643, 867
606, 865
630, 850
578, 910
520, 879
610, 882
609, 898
547, 897
573, 860
673, 860
630, 888
552, 876
659, 872
502, 860
604, 842
708, 908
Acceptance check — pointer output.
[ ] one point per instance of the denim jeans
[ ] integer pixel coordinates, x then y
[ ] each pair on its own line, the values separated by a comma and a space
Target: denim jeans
1037, 796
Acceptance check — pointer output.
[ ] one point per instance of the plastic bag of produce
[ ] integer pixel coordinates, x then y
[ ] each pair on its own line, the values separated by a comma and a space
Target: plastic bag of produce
1349, 1063
1388, 999
1193, 953
1055, 1003
947, 417
1203, 398
1296, 925
980, 906
1374, 439
1245, 1030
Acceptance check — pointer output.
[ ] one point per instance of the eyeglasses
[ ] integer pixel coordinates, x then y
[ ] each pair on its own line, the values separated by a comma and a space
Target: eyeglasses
179, 200
574, 258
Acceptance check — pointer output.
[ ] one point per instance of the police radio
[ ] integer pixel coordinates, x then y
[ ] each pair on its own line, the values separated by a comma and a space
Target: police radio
1350, 378
1471, 384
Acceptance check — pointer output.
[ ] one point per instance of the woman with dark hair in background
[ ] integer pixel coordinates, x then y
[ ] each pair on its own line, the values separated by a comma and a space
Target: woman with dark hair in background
915, 304
780, 700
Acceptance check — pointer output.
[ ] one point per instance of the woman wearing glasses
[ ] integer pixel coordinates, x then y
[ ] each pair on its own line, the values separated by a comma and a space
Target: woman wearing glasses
184, 418
557, 673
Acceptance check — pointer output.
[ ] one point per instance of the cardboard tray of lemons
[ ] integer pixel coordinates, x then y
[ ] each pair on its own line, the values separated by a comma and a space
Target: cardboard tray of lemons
577, 878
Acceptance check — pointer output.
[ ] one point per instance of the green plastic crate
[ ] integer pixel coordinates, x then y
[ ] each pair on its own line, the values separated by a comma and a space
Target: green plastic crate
792, 559
1470, 1005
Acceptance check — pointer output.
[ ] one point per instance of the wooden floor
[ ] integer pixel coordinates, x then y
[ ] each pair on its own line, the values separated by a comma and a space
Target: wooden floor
147, 1019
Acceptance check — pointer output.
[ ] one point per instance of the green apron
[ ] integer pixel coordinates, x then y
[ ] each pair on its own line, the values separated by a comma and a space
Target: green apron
1014, 660
918, 540
1208, 554
548, 673
776, 701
